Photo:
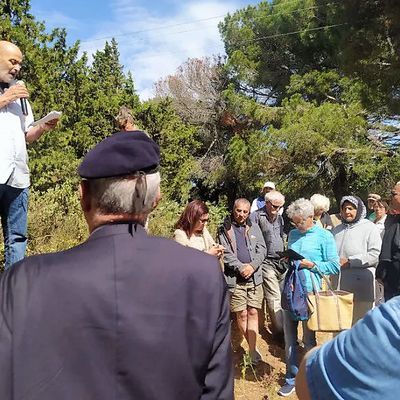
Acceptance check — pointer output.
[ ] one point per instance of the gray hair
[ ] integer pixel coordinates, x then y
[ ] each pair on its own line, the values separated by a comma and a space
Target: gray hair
320, 202
301, 208
241, 201
120, 195
274, 195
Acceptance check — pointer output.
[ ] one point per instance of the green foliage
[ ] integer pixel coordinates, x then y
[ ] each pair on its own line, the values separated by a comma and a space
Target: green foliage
262, 59
178, 143
268, 43
257, 115
319, 87
244, 165
325, 148
293, 104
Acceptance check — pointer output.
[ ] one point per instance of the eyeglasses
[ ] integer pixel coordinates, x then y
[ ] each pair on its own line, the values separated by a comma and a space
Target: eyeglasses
274, 206
393, 193
301, 223
296, 224
203, 220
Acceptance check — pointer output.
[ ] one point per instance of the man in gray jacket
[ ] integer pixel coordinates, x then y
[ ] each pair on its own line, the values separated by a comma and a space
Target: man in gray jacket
244, 253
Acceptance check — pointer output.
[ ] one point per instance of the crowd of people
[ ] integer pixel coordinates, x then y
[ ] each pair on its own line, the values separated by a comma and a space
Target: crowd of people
345, 246
128, 315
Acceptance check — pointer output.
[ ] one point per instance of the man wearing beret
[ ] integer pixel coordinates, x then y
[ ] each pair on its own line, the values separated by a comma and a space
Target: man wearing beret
123, 315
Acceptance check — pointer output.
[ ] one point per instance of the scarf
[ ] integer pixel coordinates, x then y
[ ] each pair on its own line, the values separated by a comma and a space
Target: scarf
358, 204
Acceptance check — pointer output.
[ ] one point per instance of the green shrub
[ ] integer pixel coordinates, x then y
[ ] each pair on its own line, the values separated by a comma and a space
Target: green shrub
56, 222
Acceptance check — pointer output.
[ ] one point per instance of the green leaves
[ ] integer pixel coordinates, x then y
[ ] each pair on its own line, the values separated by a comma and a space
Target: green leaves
178, 144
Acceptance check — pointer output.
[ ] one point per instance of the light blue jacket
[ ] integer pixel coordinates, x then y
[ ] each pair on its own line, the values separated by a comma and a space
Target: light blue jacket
316, 245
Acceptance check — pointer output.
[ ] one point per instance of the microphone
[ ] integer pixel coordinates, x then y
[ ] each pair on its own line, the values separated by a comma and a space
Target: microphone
24, 105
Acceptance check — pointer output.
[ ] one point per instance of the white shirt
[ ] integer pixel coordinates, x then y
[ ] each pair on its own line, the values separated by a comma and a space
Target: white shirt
14, 169
381, 225
254, 206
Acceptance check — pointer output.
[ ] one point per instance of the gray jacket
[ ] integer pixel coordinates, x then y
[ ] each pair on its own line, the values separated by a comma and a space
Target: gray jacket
272, 232
255, 244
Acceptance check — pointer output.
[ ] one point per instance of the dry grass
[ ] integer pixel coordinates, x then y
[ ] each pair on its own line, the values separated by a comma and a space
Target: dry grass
263, 381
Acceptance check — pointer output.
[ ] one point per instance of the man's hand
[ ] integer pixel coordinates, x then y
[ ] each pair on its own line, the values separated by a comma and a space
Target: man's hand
48, 126
247, 271
35, 132
13, 93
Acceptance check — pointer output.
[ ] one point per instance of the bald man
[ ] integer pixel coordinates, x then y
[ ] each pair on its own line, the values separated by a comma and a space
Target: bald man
15, 131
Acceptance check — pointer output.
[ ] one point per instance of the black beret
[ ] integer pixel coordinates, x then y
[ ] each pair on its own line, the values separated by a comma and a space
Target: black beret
122, 153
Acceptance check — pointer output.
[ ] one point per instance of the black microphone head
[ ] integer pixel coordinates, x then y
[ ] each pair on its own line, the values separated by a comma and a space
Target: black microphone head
24, 105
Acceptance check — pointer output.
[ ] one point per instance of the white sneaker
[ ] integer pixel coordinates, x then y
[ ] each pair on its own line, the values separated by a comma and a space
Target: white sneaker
286, 390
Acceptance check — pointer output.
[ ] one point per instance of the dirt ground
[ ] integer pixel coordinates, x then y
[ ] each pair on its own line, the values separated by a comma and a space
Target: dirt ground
263, 381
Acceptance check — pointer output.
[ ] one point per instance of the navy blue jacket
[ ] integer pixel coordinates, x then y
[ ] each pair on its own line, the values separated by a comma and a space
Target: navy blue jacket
121, 316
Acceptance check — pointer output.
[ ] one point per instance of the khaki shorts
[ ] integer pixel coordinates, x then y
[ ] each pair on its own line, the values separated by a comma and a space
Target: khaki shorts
246, 295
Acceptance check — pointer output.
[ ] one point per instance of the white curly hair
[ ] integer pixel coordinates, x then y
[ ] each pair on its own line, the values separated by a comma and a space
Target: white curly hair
301, 207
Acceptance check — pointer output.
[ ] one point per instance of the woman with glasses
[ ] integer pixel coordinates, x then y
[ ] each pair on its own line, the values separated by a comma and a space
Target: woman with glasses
191, 229
318, 248
359, 243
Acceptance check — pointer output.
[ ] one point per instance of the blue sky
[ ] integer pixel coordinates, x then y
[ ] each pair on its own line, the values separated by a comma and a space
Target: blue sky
154, 37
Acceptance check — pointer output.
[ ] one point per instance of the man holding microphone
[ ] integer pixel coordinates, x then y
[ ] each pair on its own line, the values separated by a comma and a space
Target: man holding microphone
15, 130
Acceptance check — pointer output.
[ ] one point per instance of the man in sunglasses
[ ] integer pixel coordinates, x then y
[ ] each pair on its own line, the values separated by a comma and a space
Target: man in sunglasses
388, 271
271, 223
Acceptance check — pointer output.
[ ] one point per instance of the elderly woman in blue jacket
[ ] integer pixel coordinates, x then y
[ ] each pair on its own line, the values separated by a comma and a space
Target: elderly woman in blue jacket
318, 248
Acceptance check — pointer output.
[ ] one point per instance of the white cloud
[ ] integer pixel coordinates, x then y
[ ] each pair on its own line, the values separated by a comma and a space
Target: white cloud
55, 19
152, 47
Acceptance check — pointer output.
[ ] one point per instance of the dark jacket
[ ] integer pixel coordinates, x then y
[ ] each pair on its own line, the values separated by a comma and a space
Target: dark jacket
255, 244
388, 269
122, 316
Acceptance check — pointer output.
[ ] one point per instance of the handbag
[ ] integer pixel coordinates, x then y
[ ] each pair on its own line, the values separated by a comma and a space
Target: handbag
330, 310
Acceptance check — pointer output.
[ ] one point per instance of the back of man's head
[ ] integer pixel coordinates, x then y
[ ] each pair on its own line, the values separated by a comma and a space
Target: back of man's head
125, 195
120, 179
